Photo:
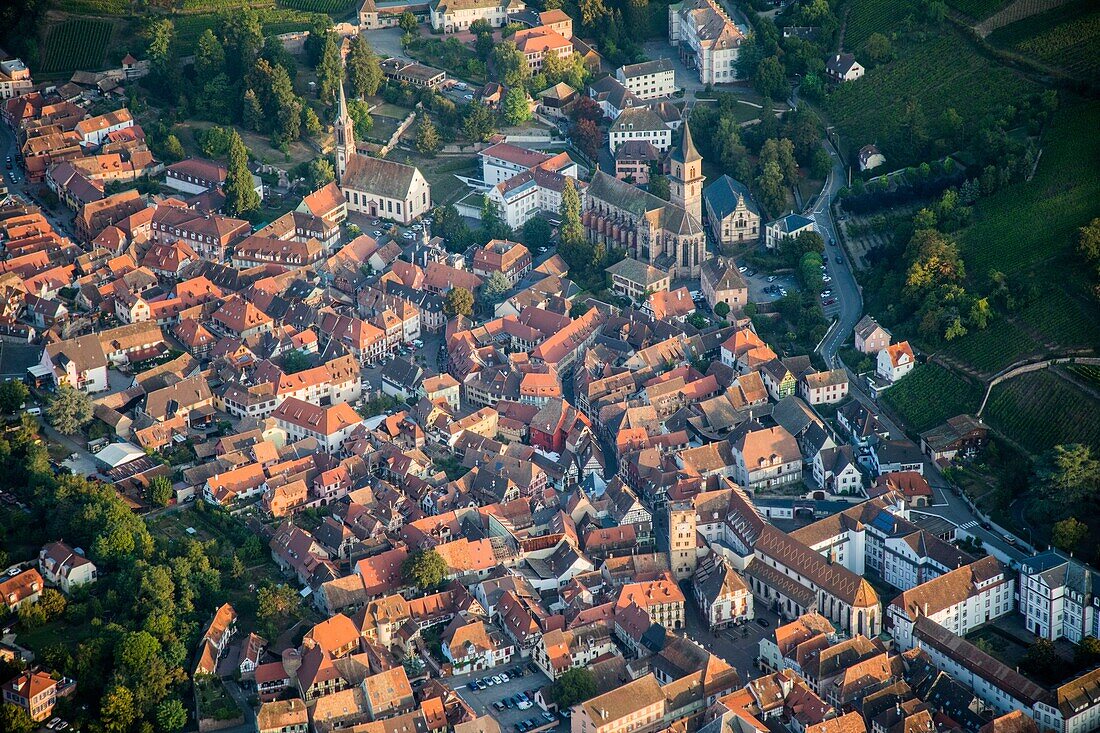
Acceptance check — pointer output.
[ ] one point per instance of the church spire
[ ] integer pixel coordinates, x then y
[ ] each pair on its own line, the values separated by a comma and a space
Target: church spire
686, 179
345, 136
687, 152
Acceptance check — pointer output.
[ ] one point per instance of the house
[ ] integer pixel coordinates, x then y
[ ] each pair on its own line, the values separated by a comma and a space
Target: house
732, 215
94, 130
870, 337
842, 67
889, 456
612, 97
33, 692
536, 43
675, 305
766, 458
912, 487
870, 157
330, 426
65, 567
636, 707
408, 72
639, 123
661, 598
837, 470
721, 282
721, 593
649, 79
895, 361
16, 590
962, 436
958, 601
633, 160
823, 388
472, 646
1058, 597
636, 279
790, 225
452, 16
510, 259
215, 640
81, 363
282, 716
707, 39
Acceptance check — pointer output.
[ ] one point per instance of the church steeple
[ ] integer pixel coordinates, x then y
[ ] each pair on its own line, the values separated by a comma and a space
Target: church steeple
345, 137
686, 181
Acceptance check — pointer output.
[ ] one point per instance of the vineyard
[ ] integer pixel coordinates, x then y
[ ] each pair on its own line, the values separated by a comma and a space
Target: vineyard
95, 7
76, 44
335, 8
977, 9
1088, 372
1067, 37
213, 6
872, 16
930, 394
993, 348
938, 73
1063, 320
1041, 410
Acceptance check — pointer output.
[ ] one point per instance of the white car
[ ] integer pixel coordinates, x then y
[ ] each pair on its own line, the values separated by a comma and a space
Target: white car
468, 97
524, 704
14, 571
826, 279
53, 722
826, 293
503, 677
496, 679
742, 268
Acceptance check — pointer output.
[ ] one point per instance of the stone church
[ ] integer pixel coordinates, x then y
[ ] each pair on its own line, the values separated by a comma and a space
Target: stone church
666, 234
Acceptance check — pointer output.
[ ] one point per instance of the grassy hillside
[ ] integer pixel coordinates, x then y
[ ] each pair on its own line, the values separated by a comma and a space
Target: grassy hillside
930, 394
1067, 37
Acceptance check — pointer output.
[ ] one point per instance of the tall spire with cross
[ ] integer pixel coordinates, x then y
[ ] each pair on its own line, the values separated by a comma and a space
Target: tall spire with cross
686, 181
345, 136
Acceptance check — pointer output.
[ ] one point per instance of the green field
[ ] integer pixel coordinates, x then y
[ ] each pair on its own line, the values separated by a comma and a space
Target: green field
335, 8
872, 16
1041, 410
941, 72
273, 20
78, 44
1067, 37
931, 394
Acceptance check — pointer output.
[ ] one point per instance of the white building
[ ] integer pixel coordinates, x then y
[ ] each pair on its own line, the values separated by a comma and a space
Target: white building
376, 186
1059, 597
959, 601
81, 363
15, 78
708, 40
895, 361
790, 225
639, 123
65, 567
649, 79
330, 426
94, 130
451, 16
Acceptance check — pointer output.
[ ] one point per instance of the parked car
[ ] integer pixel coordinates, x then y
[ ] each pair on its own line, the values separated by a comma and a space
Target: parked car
498, 706
473, 685
548, 716
839, 260
771, 278
508, 703
830, 301
496, 679
503, 676
763, 622
742, 269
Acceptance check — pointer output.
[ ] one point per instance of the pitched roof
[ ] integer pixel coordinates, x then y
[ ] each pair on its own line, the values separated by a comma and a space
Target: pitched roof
379, 176
726, 194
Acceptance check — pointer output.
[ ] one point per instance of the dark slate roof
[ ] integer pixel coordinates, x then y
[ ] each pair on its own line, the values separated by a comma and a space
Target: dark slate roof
725, 194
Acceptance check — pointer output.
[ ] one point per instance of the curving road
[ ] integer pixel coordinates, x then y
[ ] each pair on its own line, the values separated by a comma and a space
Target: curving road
846, 290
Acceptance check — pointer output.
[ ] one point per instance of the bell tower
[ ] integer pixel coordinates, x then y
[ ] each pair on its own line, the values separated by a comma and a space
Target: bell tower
686, 179
345, 138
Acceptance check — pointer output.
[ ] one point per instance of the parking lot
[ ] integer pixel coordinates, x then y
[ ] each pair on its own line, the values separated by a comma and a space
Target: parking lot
481, 700
738, 645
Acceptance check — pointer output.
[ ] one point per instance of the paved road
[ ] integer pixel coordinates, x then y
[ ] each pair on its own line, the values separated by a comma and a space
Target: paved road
61, 221
844, 286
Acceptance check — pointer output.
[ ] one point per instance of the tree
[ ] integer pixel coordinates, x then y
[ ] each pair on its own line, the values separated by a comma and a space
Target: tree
770, 185
241, 198
592, 11
321, 173
1042, 659
275, 605
516, 108
159, 491
15, 720
315, 41
575, 686
209, 56
359, 111
1087, 653
364, 70
1088, 245
878, 48
496, 285
659, 187
1067, 534
1073, 474
571, 231
770, 79
477, 123
164, 77
171, 715
116, 710
493, 225
459, 302
295, 361
511, 65
13, 395
427, 137
407, 22
721, 309
425, 569
252, 114
586, 136
330, 70
173, 148
536, 233
242, 37
69, 410
213, 104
